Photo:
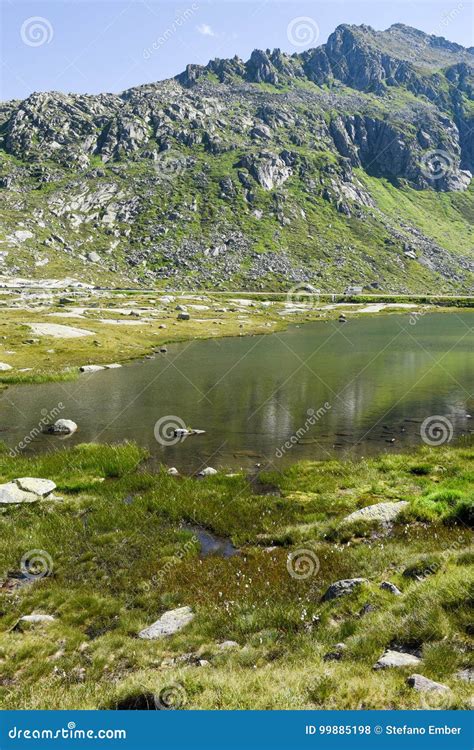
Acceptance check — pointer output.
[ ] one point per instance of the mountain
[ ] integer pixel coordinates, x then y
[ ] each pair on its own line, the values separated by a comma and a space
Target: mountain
347, 163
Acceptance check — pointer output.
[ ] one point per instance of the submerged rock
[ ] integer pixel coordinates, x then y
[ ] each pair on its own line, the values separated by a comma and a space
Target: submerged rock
169, 623
343, 587
396, 659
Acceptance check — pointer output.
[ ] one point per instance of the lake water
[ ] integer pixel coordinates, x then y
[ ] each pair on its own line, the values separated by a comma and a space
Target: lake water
333, 389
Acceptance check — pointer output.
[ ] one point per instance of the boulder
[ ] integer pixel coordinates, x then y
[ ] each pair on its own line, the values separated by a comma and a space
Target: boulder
208, 472
40, 487
388, 586
173, 471
396, 659
34, 618
62, 427
384, 512
113, 366
466, 675
183, 316
424, 685
169, 623
228, 645
343, 587
10, 493
91, 368
4, 367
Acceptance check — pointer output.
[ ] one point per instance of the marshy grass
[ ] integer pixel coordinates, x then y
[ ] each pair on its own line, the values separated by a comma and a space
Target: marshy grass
120, 558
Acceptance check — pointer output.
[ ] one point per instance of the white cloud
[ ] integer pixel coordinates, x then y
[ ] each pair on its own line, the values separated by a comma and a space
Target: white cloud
205, 29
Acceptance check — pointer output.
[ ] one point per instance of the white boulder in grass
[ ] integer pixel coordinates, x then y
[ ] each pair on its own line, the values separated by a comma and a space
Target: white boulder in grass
62, 427
384, 512
396, 659
169, 623
41, 487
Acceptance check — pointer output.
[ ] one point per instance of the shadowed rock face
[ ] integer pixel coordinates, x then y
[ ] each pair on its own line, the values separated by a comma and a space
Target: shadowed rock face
396, 104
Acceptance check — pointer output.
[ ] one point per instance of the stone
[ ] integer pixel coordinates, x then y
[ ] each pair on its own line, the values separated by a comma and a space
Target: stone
113, 366
208, 472
4, 367
228, 645
35, 618
93, 257
466, 675
384, 512
388, 586
396, 659
62, 427
91, 368
424, 685
342, 587
169, 623
173, 471
40, 487
10, 493
336, 654
183, 316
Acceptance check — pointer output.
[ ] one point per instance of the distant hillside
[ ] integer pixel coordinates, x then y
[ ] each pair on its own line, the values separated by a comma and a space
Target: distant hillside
348, 163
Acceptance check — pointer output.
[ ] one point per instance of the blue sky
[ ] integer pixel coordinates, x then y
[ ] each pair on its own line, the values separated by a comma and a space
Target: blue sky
110, 45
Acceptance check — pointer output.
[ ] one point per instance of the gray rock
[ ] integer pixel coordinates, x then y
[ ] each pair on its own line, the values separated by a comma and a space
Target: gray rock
113, 366
396, 659
466, 675
228, 645
342, 587
91, 368
40, 487
173, 471
424, 685
62, 427
93, 257
388, 586
183, 316
4, 367
208, 472
169, 623
10, 493
35, 618
384, 512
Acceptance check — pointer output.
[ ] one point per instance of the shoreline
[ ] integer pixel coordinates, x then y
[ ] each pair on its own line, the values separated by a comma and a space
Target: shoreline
49, 339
